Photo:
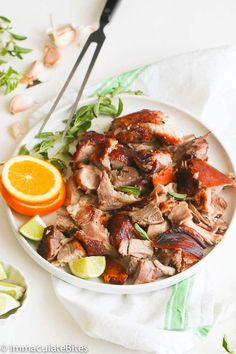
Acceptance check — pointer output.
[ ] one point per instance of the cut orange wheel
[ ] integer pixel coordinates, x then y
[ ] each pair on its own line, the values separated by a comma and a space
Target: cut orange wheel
31, 180
41, 209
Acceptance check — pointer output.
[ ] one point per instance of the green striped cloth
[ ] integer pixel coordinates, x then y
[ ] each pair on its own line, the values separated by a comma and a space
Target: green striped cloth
172, 320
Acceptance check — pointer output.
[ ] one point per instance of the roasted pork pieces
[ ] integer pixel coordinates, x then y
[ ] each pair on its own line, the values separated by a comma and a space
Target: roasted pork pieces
142, 196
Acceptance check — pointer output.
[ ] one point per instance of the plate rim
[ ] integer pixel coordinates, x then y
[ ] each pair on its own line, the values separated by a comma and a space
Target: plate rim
113, 288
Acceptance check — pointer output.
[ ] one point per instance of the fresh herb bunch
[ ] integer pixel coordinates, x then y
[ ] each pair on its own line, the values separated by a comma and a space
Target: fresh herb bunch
10, 78
83, 118
81, 122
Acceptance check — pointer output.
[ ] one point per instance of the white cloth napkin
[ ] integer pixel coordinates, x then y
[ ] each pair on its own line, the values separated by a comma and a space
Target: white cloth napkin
172, 320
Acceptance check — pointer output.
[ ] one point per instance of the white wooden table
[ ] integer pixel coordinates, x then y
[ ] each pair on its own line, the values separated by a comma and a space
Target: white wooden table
141, 32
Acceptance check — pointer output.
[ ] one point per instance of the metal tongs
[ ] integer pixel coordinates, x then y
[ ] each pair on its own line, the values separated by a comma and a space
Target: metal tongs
97, 37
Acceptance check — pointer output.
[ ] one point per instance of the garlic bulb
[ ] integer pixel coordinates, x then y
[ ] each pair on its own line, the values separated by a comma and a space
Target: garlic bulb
51, 55
83, 34
16, 130
63, 36
20, 103
34, 73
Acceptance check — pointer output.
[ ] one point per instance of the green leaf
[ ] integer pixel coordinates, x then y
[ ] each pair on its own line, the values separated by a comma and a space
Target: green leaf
138, 93
59, 164
18, 37
225, 345
141, 232
9, 79
96, 108
44, 135
5, 19
21, 50
120, 108
23, 150
177, 196
129, 189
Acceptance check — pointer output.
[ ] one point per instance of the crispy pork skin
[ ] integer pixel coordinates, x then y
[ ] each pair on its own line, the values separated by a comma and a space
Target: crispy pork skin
120, 228
114, 273
51, 242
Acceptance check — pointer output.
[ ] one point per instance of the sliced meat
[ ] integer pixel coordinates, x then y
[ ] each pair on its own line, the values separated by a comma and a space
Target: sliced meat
51, 243
186, 181
101, 156
127, 176
88, 177
155, 230
177, 258
195, 148
72, 193
89, 142
149, 215
152, 160
114, 273
142, 127
180, 214
144, 146
146, 272
135, 247
109, 198
120, 228
166, 270
64, 222
70, 251
120, 157
94, 246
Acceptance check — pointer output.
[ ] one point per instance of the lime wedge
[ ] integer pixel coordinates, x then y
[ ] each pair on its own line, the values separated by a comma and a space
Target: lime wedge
3, 274
88, 267
16, 291
33, 229
7, 303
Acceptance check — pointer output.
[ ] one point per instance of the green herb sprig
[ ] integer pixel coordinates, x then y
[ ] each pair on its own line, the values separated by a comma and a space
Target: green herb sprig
129, 189
177, 196
10, 78
142, 233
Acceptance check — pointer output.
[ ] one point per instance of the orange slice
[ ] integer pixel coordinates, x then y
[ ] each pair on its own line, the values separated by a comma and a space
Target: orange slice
32, 210
31, 180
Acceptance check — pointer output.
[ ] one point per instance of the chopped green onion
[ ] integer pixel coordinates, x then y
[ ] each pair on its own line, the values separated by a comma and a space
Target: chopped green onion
141, 232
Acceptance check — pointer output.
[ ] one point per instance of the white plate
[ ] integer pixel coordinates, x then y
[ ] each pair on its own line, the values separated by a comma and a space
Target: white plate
181, 121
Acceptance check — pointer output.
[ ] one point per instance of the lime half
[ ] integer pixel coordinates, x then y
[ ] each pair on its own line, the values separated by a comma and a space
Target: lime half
3, 274
33, 229
88, 267
7, 303
13, 290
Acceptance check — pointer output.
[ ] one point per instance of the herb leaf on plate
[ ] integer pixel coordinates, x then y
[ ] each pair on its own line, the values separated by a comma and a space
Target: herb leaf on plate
225, 345
141, 232
129, 189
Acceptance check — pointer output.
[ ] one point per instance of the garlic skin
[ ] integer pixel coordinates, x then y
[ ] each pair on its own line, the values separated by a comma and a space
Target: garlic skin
34, 73
63, 36
51, 56
16, 130
20, 103
83, 34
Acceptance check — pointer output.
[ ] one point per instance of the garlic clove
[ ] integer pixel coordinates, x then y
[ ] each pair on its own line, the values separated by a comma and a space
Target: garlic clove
51, 56
20, 103
83, 34
63, 36
16, 130
34, 73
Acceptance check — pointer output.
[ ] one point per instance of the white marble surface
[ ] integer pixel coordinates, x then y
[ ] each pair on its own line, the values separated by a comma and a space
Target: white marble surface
141, 32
